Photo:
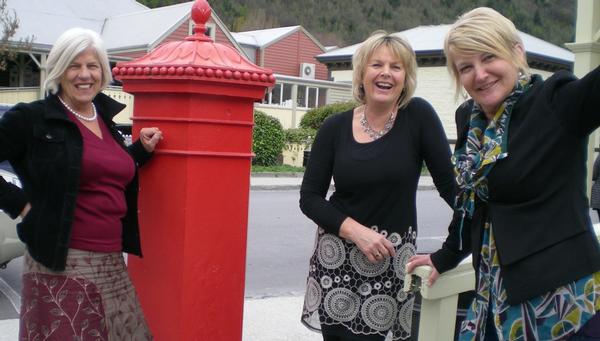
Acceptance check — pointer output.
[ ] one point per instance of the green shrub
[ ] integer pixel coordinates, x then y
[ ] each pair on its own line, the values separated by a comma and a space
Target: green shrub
304, 136
277, 169
315, 117
267, 139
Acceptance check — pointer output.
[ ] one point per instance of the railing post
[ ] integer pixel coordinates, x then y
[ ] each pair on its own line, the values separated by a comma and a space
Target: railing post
439, 301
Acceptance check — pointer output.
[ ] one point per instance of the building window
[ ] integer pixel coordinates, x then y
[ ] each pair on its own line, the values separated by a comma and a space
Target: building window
302, 95
306, 96
313, 95
286, 95
276, 94
321, 97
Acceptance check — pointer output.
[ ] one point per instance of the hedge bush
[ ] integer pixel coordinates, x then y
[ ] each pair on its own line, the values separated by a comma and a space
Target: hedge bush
303, 136
267, 139
315, 117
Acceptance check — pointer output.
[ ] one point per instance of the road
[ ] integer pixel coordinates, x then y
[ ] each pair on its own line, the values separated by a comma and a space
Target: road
281, 239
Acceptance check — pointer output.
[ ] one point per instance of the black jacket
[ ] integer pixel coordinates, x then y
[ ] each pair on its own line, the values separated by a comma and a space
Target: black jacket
537, 204
44, 147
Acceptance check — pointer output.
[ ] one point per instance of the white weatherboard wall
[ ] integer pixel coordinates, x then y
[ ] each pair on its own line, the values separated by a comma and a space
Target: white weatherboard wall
435, 85
342, 76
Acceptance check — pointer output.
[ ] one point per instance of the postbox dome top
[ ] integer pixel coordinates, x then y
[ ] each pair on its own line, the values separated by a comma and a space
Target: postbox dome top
196, 57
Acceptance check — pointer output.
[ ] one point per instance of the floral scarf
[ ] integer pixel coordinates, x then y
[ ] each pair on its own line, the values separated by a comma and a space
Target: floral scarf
486, 144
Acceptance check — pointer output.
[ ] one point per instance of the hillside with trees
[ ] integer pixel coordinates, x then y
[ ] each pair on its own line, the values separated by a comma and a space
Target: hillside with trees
345, 22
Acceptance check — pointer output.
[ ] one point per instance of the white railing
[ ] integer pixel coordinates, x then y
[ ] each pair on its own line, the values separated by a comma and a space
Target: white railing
117, 93
17, 95
30, 94
439, 301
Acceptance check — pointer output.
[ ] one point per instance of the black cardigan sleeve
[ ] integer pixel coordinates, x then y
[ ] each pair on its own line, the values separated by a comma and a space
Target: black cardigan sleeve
139, 153
451, 253
577, 101
14, 131
317, 177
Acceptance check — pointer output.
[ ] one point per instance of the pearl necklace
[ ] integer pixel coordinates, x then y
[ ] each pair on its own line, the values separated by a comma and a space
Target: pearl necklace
374, 134
78, 115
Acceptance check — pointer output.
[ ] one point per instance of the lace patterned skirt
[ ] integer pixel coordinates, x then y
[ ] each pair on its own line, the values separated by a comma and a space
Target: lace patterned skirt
344, 289
93, 299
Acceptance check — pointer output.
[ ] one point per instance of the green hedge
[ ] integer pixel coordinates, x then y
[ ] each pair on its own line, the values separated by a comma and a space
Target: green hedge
267, 139
303, 136
315, 117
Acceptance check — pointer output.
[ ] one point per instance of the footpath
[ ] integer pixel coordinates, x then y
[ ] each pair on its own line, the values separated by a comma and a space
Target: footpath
290, 181
265, 319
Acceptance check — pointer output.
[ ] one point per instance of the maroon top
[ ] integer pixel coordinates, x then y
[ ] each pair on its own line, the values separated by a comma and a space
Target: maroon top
106, 169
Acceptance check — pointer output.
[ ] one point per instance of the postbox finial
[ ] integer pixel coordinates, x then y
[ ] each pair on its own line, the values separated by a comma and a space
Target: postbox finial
200, 14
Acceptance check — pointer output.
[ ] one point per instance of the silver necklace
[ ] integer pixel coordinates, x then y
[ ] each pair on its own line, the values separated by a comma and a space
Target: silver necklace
78, 115
374, 134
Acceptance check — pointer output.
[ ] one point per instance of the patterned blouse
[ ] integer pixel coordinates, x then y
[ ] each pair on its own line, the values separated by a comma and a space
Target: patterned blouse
555, 315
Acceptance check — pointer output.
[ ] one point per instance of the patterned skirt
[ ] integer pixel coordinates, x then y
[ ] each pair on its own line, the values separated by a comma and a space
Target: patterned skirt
344, 290
93, 299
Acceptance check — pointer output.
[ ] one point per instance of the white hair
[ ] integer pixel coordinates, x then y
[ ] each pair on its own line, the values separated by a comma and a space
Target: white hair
66, 48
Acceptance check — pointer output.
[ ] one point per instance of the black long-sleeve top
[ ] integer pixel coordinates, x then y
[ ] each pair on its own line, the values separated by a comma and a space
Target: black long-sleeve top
375, 182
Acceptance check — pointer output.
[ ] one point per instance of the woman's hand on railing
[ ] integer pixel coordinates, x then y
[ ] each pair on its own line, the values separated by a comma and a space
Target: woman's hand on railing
419, 260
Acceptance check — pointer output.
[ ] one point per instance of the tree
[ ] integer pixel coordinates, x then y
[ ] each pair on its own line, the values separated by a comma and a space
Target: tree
10, 24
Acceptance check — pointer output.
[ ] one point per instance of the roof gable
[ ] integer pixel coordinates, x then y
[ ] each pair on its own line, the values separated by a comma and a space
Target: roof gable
151, 26
262, 38
112, 19
46, 20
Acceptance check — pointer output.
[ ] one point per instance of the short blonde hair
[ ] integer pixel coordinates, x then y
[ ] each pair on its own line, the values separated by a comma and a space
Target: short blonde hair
483, 30
66, 48
400, 48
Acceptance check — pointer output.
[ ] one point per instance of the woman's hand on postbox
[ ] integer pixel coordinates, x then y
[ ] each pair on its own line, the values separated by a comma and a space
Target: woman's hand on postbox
150, 137
419, 260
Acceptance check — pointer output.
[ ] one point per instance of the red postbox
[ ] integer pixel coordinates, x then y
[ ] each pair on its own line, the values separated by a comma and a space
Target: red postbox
193, 204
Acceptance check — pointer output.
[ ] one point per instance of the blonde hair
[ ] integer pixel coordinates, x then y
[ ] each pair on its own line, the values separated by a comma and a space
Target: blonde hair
66, 48
483, 30
400, 48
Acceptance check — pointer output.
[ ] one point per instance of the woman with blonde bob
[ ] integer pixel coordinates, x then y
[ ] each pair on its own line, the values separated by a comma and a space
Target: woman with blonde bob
78, 201
521, 206
368, 226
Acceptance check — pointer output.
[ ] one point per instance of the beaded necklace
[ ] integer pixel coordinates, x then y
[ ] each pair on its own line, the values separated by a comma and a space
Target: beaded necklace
78, 115
374, 134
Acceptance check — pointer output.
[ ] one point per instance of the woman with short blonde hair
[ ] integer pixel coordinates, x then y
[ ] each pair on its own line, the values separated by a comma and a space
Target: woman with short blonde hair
400, 48
367, 228
521, 207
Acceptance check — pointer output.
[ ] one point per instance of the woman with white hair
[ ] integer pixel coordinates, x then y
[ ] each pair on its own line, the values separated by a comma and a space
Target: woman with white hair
521, 205
78, 202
